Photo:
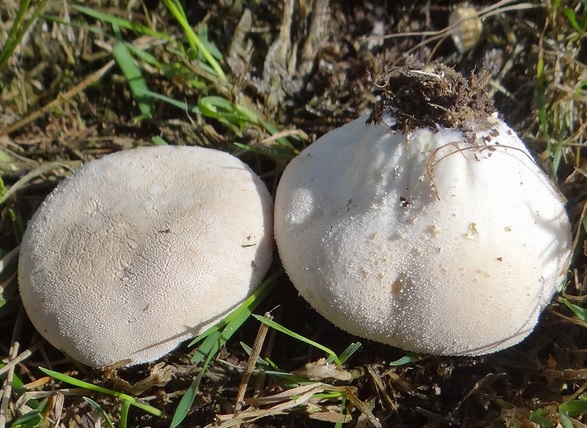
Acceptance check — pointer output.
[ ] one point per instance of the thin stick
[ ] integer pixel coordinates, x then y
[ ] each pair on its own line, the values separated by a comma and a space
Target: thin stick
269, 345
255, 352
16, 360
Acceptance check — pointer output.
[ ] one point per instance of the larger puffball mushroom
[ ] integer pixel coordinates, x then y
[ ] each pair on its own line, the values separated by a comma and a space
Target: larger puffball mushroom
427, 225
142, 249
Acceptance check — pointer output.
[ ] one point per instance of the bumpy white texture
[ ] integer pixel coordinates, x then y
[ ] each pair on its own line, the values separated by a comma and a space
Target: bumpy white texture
143, 249
424, 241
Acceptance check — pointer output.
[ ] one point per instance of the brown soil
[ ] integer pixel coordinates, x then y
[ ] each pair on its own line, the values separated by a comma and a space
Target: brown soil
433, 96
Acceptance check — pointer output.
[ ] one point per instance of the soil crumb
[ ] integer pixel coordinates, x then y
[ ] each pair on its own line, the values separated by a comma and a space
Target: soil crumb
433, 96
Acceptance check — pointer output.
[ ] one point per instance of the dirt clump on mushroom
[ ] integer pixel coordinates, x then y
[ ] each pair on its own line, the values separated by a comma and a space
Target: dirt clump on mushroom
433, 96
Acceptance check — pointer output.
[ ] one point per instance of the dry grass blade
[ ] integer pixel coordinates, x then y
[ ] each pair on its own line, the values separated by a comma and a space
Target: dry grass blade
281, 403
381, 387
80, 87
12, 355
486, 381
7, 388
251, 362
8, 258
294, 398
16, 360
363, 408
43, 169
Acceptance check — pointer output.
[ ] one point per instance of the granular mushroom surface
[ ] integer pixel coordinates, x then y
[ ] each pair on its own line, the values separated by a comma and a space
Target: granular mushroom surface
425, 225
142, 249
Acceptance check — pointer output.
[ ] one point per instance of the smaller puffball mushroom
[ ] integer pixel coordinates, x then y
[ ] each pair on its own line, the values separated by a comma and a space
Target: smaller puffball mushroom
426, 225
142, 249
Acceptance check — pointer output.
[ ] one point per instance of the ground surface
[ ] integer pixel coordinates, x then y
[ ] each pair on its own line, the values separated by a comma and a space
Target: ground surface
305, 67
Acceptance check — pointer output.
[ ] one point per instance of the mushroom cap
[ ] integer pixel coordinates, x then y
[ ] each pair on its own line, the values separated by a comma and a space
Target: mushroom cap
424, 240
142, 249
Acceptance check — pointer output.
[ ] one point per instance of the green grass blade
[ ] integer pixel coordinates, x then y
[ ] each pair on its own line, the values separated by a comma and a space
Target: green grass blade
255, 117
247, 307
538, 417
214, 338
188, 398
570, 409
179, 104
210, 346
349, 351
100, 411
342, 407
574, 407
134, 78
195, 43
565, 420
80, 383
28, 420
210, 46
14, 35
158, 141
406, 359
299, 337
121, 22
572, 18
124, 411
577, 310
145, 56
3, 189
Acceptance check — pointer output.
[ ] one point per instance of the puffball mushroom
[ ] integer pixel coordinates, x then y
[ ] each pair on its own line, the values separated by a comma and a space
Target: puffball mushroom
425, 225
142, 249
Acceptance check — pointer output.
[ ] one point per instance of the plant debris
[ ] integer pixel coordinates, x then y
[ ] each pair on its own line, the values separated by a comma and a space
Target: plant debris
416, 96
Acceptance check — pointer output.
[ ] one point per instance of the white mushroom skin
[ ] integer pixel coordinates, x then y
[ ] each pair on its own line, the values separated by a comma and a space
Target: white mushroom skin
142, 249
421, 240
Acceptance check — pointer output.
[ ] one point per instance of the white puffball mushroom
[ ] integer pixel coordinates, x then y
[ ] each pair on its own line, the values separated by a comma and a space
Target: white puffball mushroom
142, 249
420, 230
